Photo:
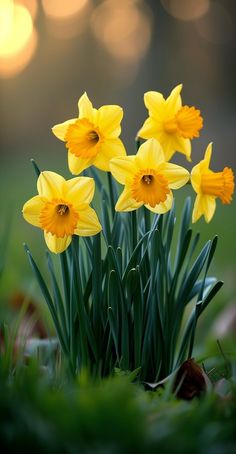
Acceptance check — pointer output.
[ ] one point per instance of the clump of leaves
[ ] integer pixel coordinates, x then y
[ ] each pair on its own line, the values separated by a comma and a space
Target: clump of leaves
121, 296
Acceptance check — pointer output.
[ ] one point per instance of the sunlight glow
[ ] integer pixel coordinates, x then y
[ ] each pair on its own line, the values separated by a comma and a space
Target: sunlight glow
32, 6
124, 28
18, 32
12, 65
18, 39
186, 10
62, 9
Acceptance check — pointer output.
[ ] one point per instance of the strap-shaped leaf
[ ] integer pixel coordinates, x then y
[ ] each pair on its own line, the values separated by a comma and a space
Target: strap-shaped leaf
105, 219
36, 168
211, 253
96, 283
193, 274
47, 298
135, 257
57, 296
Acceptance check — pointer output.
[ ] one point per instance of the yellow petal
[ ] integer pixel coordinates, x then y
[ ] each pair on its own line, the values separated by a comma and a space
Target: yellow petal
196, 177
31, 210
204, 205
150, 129
154, 102
166, 141
109, 149
77, 165
200, 169
150, 154
50, 184
162, 207
126, 202
88, 223
197, 209
171, 143
80, 190
208, 153
55, 244
173, 102
177, 176
123, 168
209, 206
182, 146
60, 130
85, 107
108, 119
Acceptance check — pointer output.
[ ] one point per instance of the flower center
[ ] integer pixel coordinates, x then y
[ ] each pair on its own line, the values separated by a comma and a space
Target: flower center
147, 179
93, 136
149, 187
62, 209
58, 217
82, 138
186, 123
219, 184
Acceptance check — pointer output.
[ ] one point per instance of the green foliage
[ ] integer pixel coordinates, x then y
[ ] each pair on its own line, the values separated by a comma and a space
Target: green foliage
121, 298
109, 416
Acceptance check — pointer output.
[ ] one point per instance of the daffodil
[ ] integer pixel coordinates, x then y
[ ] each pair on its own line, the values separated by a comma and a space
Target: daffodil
62, 209
93, 137
171, 123
209, 185
148, 179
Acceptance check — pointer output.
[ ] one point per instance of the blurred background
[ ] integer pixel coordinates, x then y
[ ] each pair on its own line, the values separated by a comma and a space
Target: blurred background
51, 51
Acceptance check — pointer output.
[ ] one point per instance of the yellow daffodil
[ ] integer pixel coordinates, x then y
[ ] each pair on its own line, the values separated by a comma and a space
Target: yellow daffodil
170, 122
209, 185
62, 209
148, 179
93, 137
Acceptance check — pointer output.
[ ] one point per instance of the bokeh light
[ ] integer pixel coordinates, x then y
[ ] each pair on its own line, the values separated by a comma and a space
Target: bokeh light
62, 9
6, 14
124, 28
31, 5
18, 39
67, 19
18, 31
10, 66
217, 25
186, 10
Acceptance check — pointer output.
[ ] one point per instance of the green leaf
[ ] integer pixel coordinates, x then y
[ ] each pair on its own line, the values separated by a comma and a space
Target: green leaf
36, 168
57, 297
193, 274
47, 298
96, 284
135, 257
135, 296
105, 219
212, 249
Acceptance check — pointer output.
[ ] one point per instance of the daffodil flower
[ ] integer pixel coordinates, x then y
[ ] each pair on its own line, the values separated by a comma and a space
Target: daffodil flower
148, 179
93, 138
209, 185
62, 209
172, 124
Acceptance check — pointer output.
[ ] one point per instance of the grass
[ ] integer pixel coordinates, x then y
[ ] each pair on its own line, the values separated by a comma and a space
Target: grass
110, 416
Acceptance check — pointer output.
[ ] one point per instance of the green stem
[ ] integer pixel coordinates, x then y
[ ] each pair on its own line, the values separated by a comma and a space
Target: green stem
133, 230
111, 194
147, 219
66, 286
